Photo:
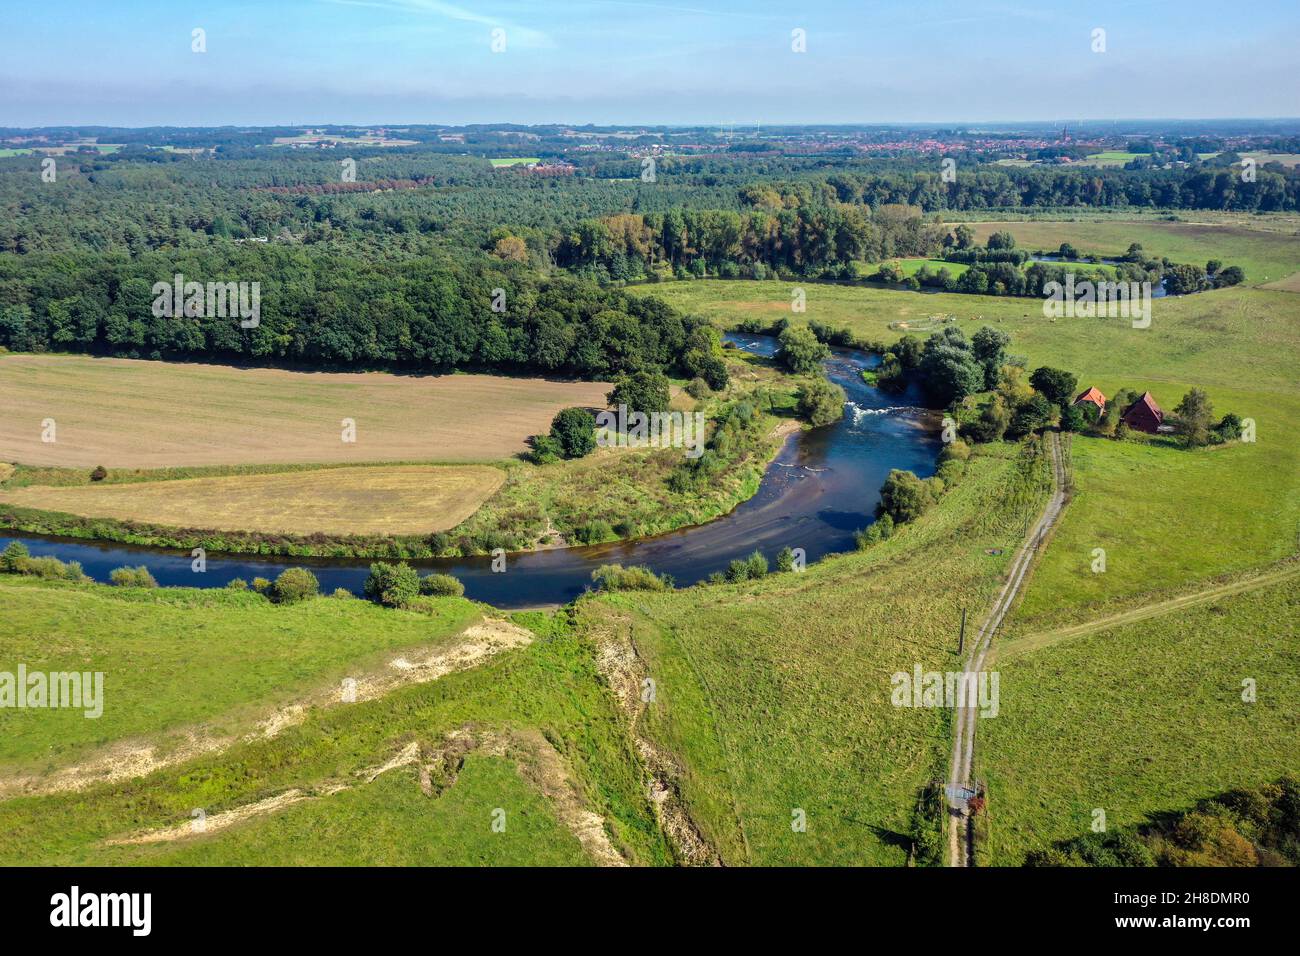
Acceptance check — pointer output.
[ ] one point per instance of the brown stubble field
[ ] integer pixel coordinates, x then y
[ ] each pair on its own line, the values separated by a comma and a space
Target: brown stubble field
380, 500
127, 413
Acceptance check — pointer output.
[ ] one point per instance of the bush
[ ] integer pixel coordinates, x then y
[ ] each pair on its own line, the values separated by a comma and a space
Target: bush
785, 559
615, 577
593, 532
874, 533
993, 421
820, 402
905, 497
1229, 427
392, 585
132, 577
955, 450
800, 351
341, 593
1055, 384
237, 584
575, 431
99, 474
698, 389
14, 557
441, 585
295, 584
747, 569
641, 392
261, 585
546, 450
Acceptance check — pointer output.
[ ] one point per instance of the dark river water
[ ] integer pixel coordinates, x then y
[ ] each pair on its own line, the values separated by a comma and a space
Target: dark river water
823, 486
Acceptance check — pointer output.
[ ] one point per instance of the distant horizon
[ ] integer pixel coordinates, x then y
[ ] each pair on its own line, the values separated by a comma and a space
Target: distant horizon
184, 63
964, 125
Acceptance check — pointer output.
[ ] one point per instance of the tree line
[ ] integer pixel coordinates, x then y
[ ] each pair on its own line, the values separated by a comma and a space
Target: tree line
324, 309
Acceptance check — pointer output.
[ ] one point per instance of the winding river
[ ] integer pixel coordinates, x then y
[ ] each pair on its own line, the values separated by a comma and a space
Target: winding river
822, 486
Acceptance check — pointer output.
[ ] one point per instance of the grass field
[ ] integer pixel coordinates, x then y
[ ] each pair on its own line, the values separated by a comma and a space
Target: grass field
389, 822
546, 692
124, 413
775, 695
1110, 157
911, 267
1163, 518
172, 658
514, 161
381, 500
1264, 255
1141, 719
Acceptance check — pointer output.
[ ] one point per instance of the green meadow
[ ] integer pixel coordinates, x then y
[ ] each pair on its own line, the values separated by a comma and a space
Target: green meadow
173, 657
1141, 719
550, 690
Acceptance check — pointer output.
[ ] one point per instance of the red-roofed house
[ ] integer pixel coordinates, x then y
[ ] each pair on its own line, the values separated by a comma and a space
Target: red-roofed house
1094, 396
1144, 415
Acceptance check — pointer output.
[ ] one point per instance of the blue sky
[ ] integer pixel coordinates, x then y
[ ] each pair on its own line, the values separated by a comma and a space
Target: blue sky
129, 62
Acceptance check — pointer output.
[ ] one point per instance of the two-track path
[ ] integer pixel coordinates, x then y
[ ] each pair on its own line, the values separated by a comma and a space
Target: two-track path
1032, 642
963, 747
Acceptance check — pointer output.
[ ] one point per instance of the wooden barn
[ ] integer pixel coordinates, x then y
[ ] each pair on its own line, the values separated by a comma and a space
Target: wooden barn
1144, 415
1094, 397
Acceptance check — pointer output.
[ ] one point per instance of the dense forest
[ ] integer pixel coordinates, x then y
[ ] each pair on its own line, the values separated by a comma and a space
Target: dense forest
319, 308
397, 263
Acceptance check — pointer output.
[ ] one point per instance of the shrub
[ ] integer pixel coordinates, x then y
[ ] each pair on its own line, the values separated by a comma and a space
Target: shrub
261, 585
441, 585
905, 497
546, 450
955, 450
574, 429
295, 584
615, 577
641, 392
785, 559
1055, 384
1229, 427
392, 585
993, 422
132, 577
1031, 416
747, 569
593, 532
820, 402
237, 584
99, 474
14, 557
698, 389
878, 531
800, 351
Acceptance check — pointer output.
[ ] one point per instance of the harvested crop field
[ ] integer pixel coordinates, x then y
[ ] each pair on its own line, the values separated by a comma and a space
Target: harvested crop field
413, 499
128, 413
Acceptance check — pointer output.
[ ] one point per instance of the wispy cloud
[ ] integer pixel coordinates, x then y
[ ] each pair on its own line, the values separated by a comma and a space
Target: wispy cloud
515, 34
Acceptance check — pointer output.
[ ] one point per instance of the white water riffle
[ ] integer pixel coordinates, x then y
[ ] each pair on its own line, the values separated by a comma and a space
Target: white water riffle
859, 412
